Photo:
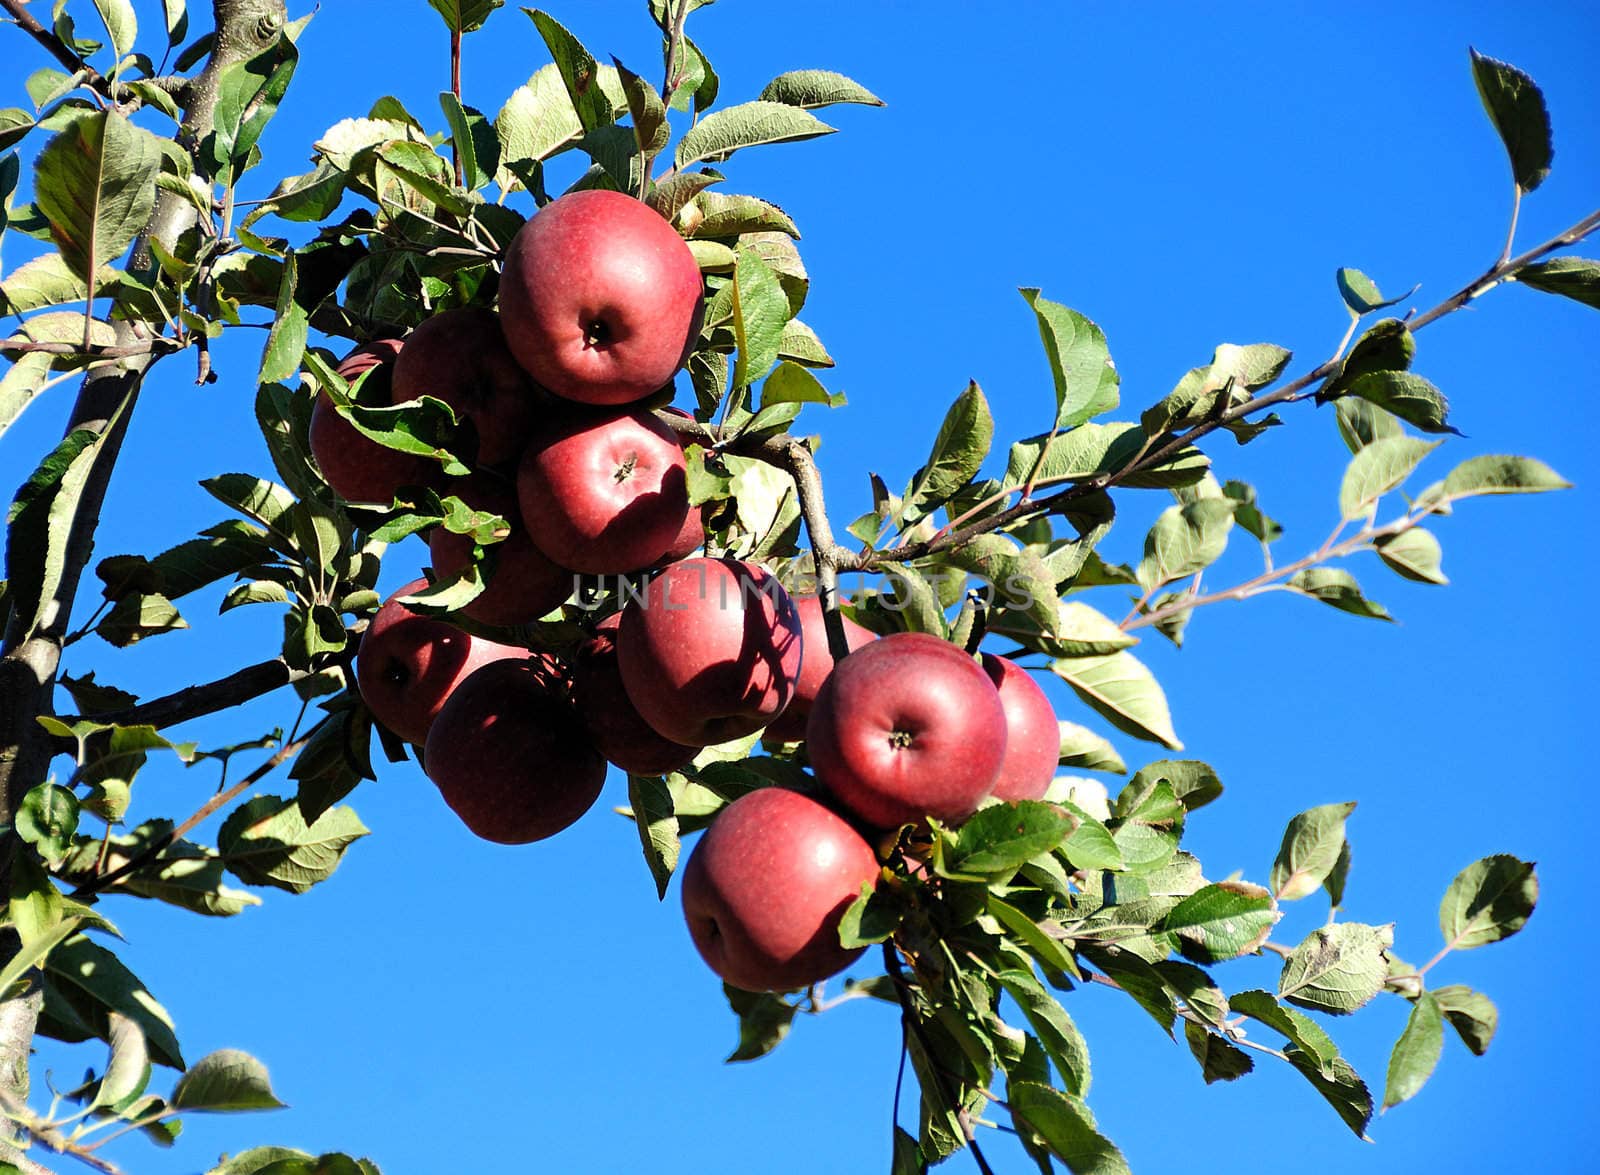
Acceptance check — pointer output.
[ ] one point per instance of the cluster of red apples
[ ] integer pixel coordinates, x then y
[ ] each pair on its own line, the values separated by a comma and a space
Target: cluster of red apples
600, 303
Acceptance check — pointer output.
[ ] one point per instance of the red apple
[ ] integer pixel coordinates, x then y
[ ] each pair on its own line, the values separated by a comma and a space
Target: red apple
410, 663
601, 298
460, 357
1033, 737
711, 650
906, 727
359, 469
524, 584
603, 492
508, 756
765, 888
612, 721
790, 726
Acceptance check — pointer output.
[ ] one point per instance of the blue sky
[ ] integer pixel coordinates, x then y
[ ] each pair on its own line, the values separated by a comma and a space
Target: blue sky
1185, 175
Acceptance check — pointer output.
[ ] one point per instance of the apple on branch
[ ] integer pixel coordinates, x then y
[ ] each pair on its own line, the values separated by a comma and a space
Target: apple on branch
766, 886
409, 663
711, 650
613, 722
906, 727
603, 492
508, 756
601, 298
460, 357
356, 467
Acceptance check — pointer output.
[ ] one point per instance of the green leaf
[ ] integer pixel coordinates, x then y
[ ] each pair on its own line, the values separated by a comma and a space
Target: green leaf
653, 814
1302, 1032
1361, 423
1194, 784
1310, 850
98, 984
790, 383
1577, 278
1051, 953
1124, 692
1341, 1086
871, 918
226, 1081
579, 72
1185, 539
48, 819
764, 1021
1093, 450
723, 215
128, 1068
262, 500
650, 130
958, 451
800, 343
95, 183
1059, 1036
14, 124
1415, 1053
1012, 578
1337, 968
1337, 588
121, 25
1379, 468
1360, 292
1490, 899
30, 954
697, 82
1233, 373
811, 88
1081, 631
177, 20
1086, 380
750, 124
35, 906
1140, 980
536, 122
1498, 474
998, 840
1414, 554
267, 842
473, 138
465, 16
1084, 749
286, 340
1410, 397
1222, 921
1064, 1124
1219, 1059
38, 525
760, 308
136, 617
1471, 1013
1516, 107
1386, 345
248, 94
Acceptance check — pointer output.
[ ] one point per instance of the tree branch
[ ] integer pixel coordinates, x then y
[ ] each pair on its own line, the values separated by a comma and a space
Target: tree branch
62, 52
196, 701
161, 844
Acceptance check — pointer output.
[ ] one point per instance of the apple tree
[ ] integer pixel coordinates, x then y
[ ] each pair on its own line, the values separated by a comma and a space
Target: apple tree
451, 348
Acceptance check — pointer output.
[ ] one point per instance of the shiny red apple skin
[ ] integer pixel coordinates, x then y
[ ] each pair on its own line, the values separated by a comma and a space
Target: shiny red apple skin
766, 886
410, 663
613, 722
525, 584
710, 651
601, 298
790, 726
1033, 736
603, 492
508, 756
908, 726
460, 357
359, 469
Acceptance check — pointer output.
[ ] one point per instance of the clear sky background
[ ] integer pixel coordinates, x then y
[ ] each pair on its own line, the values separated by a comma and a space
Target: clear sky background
1185, 175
